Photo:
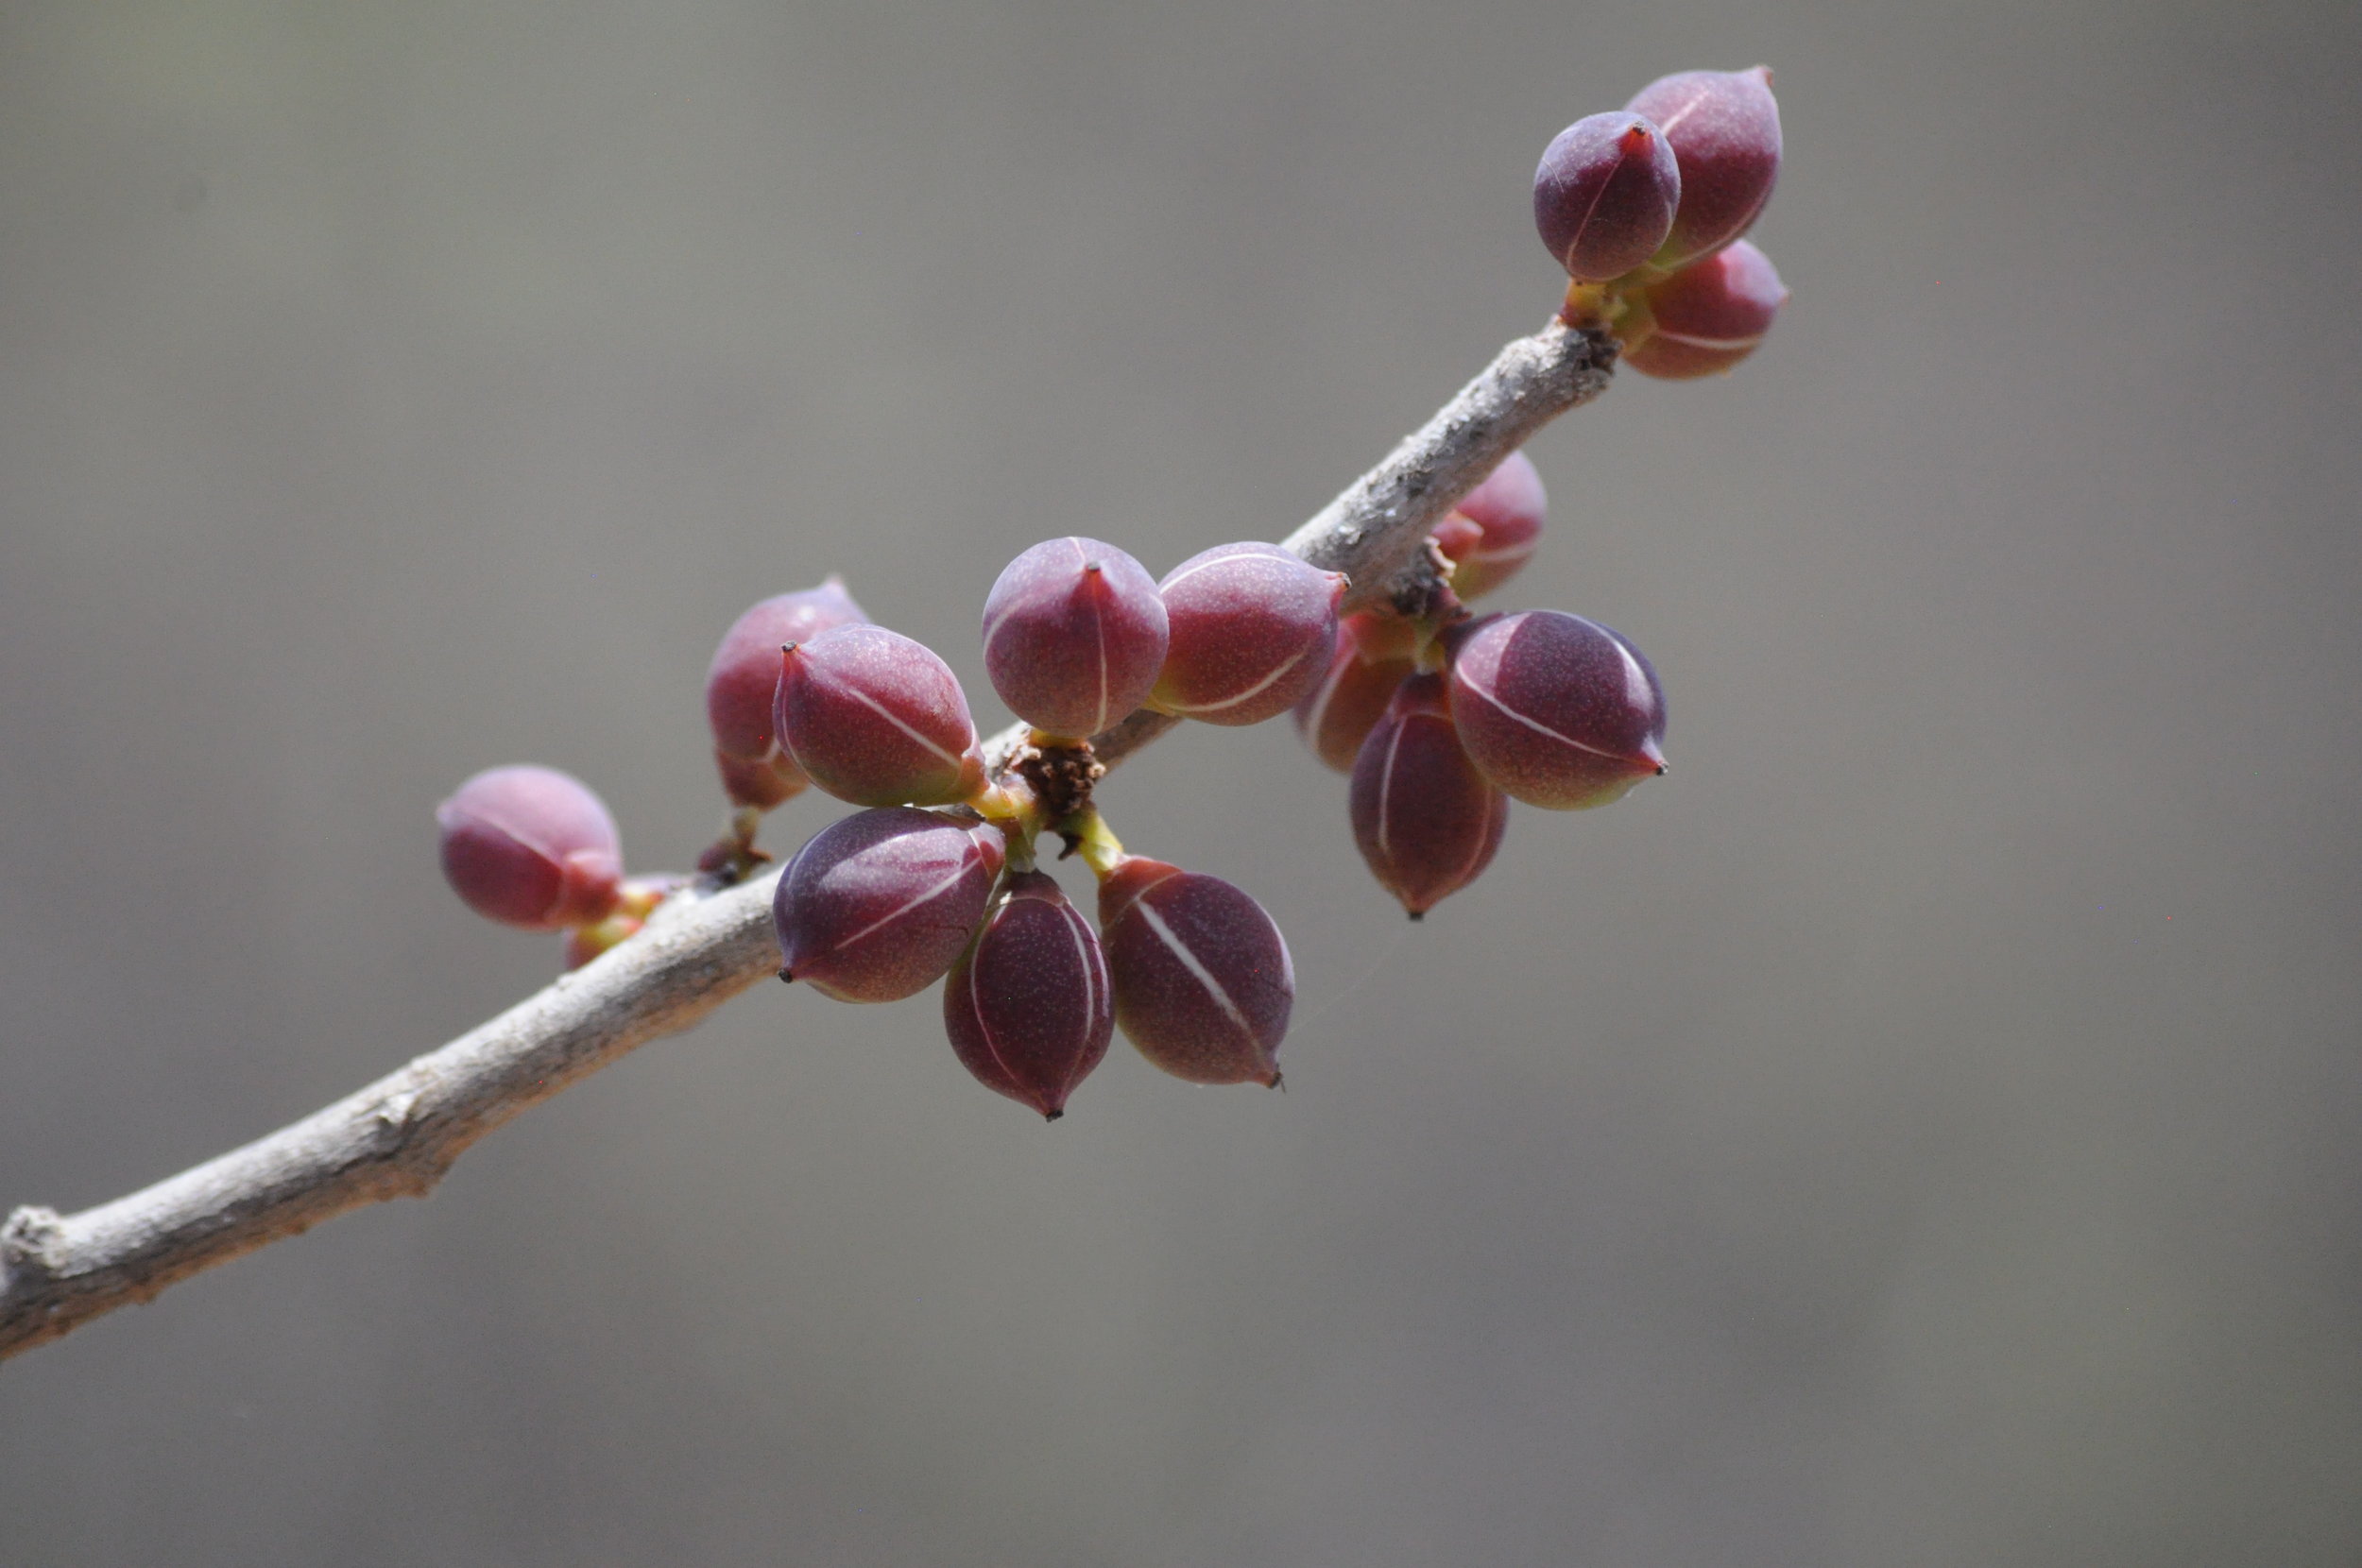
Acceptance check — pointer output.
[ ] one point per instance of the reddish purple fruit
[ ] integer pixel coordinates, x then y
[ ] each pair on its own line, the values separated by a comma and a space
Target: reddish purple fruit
1605, 195
1074, 636
1724, 127
532, 847
1709, 315
1497, 527
876, 907
1203, 983
1027, 1005
877, 718
744, 677
1557, 710
1372, 658
1428, 822
1252, 630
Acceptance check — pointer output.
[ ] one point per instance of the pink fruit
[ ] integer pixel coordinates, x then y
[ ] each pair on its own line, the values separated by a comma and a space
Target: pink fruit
1251, 631
878, 718
1027, 1006
1604, 196
1074, 636
531, 847
743, 678
1709, 315
1203, 981
876, 907
1427, 821
1557, 710
1724, 128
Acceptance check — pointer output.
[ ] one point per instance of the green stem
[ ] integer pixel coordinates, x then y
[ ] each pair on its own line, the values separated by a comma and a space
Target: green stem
1088, 831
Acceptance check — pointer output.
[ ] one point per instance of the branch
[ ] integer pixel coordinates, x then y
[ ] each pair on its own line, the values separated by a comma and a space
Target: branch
397, 1137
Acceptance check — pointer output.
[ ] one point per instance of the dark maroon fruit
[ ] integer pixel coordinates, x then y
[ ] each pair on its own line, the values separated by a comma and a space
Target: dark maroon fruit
1604, 196
1373, 656
877, 907
1557, 710
1074, 636
744, 677
1495, 530
1427, 821
1709, 315
1724, 128
1203, 983
1027, 1005
878, 718
1252, 628
531, 847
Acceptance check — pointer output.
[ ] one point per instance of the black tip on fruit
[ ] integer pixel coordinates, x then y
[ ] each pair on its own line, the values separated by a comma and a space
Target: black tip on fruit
1418, 915
788, 975
1090, 565
1051, 1116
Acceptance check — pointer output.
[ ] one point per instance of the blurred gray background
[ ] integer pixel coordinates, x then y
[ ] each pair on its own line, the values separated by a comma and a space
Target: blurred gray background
1924, 1130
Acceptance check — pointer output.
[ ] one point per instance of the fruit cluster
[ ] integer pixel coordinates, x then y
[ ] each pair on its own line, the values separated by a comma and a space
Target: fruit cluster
1442, 720
1077, 636
1645, 208
1441, 717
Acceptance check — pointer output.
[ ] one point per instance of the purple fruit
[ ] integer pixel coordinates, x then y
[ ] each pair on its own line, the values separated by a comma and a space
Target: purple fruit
744, 677
1027, 1005
1557, 710
1372, 658
1252, 629
1709, 315
1074, 636
1203, 983
1427, 821
877, 718
1605, 195
1495, 530
531, 847
1724, 128
876, 907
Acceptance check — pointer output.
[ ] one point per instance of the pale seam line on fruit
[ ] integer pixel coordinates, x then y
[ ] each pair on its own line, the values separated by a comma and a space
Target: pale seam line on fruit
1710, 342
1182, 576
1260, 685
1170, 872
1079, 935
1198, 971
998, 621
1470, 682
1682, 113
1099, 627
888, 919
1599, 196
1488, 556
872, 704
529, 845
1386, 789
